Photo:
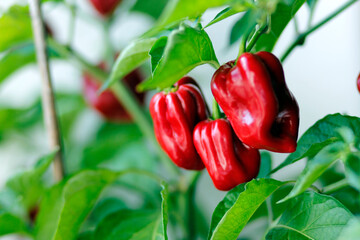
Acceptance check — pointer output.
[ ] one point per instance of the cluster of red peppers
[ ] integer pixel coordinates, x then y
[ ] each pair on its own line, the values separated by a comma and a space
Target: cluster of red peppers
261, 113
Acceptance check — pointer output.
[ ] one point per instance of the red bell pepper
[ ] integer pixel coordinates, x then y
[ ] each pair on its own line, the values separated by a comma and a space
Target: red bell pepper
106, 103
105, 7
175, 114
254, 96
228, 161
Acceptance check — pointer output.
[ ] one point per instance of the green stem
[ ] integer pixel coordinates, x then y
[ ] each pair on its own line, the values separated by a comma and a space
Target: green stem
302, 36
216, 110
191, 210
296, 26
335, 186
73, 10
109, 49
256, 37
128, 100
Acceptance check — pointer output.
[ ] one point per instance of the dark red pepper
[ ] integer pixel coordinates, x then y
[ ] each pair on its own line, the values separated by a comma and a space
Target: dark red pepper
106, 103
358, 82
228, 161
254, 96
175, 114
105, 7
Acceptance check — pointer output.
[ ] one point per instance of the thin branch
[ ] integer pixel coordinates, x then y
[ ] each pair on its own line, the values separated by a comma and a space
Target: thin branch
48, 101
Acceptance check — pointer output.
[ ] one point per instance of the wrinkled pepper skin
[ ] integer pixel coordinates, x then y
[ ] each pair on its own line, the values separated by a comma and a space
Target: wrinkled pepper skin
254, 96
175, 115
105, 7
106, 103
228, 161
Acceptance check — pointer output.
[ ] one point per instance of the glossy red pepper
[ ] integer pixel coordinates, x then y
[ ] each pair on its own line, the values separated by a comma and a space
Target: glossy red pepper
254, 96
175, 114
106, 103
105, 7
358, 82
228, 161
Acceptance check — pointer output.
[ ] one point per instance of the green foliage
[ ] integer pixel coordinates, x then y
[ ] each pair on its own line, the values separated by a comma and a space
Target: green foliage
351, 231
352, 169
322, 133
311, 216
186, 48
147, 7
265, 166
230, 216
225, 13
244, 25
66, 205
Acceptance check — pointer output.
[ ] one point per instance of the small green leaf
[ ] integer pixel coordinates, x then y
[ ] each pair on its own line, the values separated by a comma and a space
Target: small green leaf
231, 215
177, 10
135, 224
225, 13
352, 169
311, 216
28, 185
147, 7
15, 25
157, 51
11, 224
321, 134
315, 167
351, 231
285, 11
186, 49
131, 57
244, 25
265, 166
67, 204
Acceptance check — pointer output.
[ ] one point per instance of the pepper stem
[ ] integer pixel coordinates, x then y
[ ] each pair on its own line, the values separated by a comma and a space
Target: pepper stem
216, 110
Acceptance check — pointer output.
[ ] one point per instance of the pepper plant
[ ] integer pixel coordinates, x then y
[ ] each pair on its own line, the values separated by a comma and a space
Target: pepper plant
135, 175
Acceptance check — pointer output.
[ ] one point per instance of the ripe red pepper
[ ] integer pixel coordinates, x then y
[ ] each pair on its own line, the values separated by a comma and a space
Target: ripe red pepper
358, 82
106, 103
175, 114
254, 96
105, 7
228, 161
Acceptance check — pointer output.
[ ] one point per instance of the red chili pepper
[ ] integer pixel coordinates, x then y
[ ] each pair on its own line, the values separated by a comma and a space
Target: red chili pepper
175, 114
228, 161
106, 103
105, 7
358, 82
254, 96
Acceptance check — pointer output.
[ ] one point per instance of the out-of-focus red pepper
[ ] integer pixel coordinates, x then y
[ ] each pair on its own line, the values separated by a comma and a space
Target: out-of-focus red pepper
254, 96
228, 161
106, 103
358, 82
175, 114
105, 7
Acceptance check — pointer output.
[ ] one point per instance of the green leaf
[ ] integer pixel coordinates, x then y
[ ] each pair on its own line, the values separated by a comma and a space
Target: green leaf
15, 25
130, 58
157, 51
11, 224
177, 10
186, 49
18, 57
265, 166
244, 25
135, 224
67, 204
315, 167
231, 215
28, 185
225, 13
311, 216
352, 169
351, 231
321, 134
285, 11
311, 4
147, 7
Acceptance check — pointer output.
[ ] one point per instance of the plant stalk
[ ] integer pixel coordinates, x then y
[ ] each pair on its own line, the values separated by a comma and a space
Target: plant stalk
302, 36
335, 186
48, 99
